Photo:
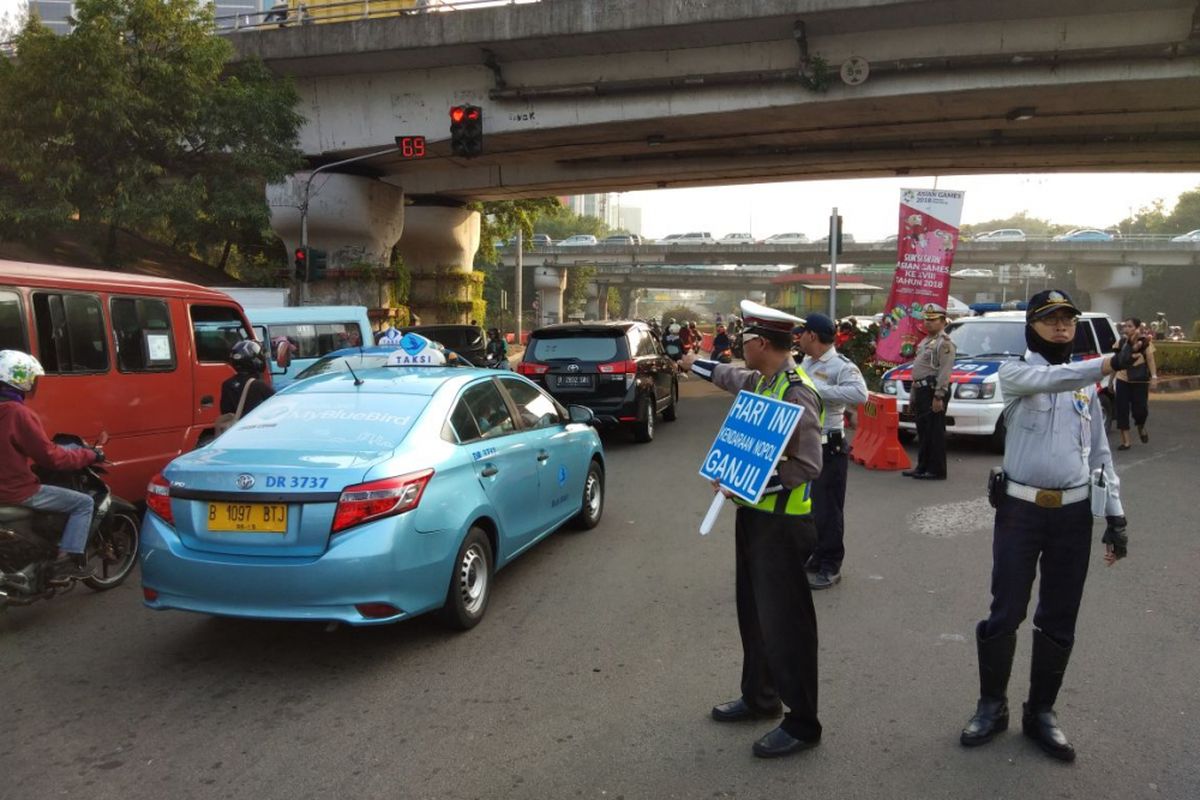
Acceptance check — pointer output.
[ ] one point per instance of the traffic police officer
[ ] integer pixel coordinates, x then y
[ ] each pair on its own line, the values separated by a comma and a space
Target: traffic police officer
840, 384
774, 539
1055, 448
931, 394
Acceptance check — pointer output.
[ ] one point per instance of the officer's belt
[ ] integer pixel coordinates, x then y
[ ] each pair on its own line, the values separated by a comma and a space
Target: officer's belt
921, 383
1046, 498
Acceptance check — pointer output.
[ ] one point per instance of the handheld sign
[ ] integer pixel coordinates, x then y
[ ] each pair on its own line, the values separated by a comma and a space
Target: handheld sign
747, 448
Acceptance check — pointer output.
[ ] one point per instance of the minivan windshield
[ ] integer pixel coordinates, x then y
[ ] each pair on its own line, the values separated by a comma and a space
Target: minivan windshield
581, 347
988, 338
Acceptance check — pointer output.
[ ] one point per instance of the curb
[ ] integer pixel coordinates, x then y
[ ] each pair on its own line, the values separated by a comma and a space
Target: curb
1182, 383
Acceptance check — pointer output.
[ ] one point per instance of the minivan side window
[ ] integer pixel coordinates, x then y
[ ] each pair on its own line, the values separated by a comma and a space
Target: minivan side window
313, 340
70, 331
142, 330
12, 323
216, 329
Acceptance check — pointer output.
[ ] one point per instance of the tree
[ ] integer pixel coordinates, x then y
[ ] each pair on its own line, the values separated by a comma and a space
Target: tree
501, 219
562, 223
134, 119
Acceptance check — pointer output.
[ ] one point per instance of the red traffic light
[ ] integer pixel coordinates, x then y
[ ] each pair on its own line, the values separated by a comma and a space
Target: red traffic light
300, 254
457, 113
473, 113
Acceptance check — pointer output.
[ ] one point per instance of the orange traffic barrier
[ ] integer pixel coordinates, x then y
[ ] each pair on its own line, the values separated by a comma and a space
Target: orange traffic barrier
877, 440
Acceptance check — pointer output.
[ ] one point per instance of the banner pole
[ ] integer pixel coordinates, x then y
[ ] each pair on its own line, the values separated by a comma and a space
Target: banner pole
833, 235
710, 518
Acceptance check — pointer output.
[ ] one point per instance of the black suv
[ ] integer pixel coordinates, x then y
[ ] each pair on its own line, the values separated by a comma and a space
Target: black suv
617, 369
466, 340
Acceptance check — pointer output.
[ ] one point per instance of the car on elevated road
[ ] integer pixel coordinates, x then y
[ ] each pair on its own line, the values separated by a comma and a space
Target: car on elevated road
737, 238
1084, 235
371, 497
1190, 236
578, 240
786, 238
1001, 235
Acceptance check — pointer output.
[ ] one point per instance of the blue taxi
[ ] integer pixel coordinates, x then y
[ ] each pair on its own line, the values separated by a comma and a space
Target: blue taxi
372, 495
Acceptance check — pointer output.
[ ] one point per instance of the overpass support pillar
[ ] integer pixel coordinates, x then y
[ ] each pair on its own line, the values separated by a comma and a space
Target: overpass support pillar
601, 301
1108, 286
438, 249
355, 221
591, 309
550, 283
629, 299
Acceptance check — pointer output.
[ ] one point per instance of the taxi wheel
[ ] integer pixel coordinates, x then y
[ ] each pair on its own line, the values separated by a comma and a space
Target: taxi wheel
470, 583
593, 500
643, 429
670, 413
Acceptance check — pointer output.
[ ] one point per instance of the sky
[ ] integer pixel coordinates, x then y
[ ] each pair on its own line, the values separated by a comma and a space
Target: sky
870, 207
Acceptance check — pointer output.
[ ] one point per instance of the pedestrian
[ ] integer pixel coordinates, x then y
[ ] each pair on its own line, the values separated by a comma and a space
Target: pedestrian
773, 540
845, 332
23, 440
840, 384
931, 394
1055, 450
1132, 386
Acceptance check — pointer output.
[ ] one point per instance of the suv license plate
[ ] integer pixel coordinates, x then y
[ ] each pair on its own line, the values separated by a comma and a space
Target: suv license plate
574, 380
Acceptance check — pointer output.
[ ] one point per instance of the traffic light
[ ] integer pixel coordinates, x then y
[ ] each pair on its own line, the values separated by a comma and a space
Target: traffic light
301, 264
466, 131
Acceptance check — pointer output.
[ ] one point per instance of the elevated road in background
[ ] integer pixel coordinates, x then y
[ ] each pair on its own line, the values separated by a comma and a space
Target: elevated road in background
598, 95
1119, 252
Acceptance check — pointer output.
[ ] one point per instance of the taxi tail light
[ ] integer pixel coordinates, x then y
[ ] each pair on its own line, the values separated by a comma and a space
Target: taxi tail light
158, 498
367, 501
529, 368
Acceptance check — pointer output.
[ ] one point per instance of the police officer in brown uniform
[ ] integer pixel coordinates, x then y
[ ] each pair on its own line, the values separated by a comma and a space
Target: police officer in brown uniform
774, 539
931, 394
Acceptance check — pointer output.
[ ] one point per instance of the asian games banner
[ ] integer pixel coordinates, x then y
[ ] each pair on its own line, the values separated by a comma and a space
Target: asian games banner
924, 252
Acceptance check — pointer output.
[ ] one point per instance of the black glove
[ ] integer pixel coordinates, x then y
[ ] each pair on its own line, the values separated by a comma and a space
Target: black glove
1114, 534
1123, 358
100, 458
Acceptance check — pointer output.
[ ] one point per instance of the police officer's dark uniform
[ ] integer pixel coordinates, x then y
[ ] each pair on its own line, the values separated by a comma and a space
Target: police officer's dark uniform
840, 384
931, 381
1055, 442
774, 538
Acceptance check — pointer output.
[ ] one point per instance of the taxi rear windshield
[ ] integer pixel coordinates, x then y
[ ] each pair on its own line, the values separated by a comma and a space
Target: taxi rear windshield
320, 422
578, 346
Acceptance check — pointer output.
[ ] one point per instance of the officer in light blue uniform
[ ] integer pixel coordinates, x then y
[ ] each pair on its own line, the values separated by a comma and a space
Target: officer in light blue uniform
1055, 449
773, 540
840, 384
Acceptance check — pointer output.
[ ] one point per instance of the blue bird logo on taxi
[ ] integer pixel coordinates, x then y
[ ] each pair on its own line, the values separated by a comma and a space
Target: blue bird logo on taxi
562, 476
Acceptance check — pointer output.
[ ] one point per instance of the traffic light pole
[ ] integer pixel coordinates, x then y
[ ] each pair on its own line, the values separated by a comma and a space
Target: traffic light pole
520, 269
834, 235
308, 187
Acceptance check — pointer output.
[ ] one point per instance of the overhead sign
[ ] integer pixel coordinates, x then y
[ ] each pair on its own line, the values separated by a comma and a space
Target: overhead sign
750, 443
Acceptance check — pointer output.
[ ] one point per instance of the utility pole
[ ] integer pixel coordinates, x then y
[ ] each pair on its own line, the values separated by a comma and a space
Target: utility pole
835, 233
520, 268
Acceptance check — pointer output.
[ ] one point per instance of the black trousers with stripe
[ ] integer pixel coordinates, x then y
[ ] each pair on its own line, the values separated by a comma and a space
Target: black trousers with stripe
776, 617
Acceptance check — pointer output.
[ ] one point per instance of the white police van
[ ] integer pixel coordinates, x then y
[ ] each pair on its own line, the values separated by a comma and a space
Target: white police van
984, 343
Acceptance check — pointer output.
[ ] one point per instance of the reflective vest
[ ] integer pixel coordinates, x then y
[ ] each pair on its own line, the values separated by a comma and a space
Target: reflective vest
798, 500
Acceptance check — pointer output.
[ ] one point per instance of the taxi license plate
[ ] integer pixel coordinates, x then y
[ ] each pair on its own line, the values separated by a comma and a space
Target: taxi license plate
248, 517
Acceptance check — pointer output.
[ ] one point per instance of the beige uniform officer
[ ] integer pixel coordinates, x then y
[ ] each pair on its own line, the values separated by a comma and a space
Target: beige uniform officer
931, 394
774, 539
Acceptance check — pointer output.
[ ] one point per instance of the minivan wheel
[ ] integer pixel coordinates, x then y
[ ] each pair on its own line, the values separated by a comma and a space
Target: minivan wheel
470, 582
643, 430
670, 413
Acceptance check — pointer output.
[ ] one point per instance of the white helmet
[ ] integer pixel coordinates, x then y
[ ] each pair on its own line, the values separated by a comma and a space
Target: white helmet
19, 370
673, 329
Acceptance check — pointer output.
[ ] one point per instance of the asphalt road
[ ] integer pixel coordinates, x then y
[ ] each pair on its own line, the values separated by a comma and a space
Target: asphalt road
601, 653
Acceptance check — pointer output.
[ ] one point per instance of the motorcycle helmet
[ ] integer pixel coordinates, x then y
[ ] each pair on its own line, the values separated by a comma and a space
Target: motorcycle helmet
673, 329
19, 370
247, 356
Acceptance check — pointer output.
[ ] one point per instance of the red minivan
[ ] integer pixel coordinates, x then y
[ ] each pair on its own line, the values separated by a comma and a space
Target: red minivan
138, 356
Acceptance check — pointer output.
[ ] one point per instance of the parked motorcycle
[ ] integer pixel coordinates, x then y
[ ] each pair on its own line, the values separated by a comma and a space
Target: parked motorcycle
29, 539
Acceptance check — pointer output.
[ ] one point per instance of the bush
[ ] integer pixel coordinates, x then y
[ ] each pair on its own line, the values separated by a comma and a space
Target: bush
1180, 358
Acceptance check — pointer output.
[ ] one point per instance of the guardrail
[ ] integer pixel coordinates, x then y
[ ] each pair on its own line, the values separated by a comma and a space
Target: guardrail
285, 15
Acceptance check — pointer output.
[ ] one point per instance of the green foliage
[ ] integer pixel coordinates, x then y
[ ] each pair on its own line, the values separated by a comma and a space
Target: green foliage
1179, 358
576, 294
561, 223
501, 219
681, 314
816, 76
1033, 226
134, 120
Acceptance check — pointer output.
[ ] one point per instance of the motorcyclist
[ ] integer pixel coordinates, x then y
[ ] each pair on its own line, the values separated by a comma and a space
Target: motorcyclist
722, 346
249, 361
685, 336
497, 348
23, 439
672, 343
697, 337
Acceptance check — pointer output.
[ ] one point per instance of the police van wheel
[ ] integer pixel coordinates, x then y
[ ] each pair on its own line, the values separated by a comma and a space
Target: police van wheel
670, 413
593, 500
470, 582
643, 429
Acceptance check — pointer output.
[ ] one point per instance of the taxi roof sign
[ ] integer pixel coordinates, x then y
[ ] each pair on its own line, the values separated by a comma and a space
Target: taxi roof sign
417, 351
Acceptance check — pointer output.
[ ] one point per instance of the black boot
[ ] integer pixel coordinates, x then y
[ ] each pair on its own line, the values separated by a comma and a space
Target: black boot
995, 665
1039, 721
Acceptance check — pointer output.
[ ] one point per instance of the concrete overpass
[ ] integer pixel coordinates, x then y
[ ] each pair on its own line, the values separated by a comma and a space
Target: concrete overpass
591, 95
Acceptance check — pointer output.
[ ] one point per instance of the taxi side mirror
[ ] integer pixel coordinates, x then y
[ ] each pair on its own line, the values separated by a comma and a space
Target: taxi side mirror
581, 415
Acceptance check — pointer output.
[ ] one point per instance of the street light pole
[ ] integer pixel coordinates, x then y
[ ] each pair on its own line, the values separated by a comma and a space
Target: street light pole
308, 186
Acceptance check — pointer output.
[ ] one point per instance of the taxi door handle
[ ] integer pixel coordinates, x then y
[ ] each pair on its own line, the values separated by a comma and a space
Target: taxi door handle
206, 401
489, 470
543, 456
